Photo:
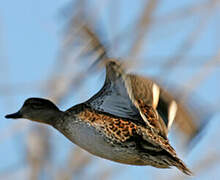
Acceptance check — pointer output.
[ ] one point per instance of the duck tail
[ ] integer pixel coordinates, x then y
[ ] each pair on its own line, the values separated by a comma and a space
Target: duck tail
182, 167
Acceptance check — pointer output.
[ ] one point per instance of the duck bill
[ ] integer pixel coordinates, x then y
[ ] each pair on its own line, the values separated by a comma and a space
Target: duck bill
14, 115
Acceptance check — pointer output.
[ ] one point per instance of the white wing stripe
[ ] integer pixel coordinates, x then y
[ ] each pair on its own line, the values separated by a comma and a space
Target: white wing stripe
172, 113
156, 95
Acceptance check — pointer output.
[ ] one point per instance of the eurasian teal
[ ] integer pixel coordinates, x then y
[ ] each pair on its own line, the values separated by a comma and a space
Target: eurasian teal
126, 121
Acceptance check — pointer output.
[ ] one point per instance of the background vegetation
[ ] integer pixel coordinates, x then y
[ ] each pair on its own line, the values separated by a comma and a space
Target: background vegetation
46, 50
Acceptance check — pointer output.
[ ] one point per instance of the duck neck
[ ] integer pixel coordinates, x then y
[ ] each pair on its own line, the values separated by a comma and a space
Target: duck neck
52, 117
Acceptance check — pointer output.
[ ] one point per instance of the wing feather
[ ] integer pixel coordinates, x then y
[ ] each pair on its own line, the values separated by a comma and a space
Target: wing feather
113, 98
129, 96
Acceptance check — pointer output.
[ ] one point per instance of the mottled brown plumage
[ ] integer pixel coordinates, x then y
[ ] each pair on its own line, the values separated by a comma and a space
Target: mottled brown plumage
120, 130
120, 123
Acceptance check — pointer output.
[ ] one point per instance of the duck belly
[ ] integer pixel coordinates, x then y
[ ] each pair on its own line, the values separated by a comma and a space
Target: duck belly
95, 142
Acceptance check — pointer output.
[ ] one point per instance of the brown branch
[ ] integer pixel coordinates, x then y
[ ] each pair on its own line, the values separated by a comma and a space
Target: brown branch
192, 38
143, 26
185, 12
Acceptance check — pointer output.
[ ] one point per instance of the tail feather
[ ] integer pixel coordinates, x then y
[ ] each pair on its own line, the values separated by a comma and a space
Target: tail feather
182, 167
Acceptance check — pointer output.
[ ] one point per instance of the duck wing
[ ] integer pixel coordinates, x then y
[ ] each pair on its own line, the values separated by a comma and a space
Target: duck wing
124, 96
113, 97
148, 93
146, 96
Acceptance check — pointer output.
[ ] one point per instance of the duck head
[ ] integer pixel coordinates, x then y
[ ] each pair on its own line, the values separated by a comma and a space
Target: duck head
37, 109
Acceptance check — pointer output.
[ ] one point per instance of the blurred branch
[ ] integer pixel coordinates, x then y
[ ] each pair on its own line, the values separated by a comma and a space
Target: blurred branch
204, 72
143, 26
72, 68
184, 12
76, 162
187, 44
13, 129
38, 151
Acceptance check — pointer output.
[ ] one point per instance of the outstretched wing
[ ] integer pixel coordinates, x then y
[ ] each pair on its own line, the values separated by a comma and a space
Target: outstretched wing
146, 97
189, 118
113, 98
145, 102
129, 96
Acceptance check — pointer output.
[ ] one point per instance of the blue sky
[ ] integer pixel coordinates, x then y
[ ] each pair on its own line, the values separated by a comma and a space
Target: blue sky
30, 34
